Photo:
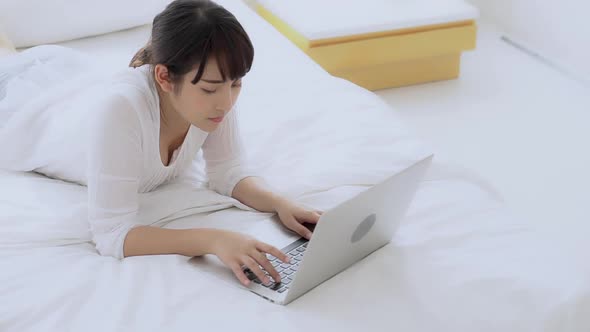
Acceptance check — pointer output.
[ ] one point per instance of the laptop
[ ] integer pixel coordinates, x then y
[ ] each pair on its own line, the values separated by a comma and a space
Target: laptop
343, 236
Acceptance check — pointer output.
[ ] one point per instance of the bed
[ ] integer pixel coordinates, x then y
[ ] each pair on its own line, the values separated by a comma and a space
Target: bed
460, 260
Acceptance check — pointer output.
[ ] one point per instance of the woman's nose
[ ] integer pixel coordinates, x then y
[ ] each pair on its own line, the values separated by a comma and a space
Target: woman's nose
226, 100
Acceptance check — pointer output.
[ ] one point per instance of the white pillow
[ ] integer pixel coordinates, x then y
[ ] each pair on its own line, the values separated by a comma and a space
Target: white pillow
35, 22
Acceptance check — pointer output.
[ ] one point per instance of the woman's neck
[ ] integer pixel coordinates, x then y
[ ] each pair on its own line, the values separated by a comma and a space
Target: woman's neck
172, 125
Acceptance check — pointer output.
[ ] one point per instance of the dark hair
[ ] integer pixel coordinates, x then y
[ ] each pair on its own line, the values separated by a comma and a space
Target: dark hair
188, 32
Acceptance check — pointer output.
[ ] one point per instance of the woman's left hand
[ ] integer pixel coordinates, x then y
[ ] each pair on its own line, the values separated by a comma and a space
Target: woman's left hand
293, 215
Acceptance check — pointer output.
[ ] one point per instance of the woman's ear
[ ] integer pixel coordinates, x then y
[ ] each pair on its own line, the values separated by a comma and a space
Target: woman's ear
162, 76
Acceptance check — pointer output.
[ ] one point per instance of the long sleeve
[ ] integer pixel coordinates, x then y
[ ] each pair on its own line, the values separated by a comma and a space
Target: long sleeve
224, 156
113, 173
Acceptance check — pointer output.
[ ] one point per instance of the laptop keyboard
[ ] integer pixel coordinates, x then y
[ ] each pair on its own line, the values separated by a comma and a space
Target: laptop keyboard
287, 271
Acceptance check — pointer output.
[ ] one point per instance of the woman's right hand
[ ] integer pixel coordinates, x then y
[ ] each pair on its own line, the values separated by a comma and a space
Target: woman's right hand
236, 250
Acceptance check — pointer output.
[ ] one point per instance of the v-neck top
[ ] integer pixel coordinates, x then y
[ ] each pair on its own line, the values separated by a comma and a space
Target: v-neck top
106, 135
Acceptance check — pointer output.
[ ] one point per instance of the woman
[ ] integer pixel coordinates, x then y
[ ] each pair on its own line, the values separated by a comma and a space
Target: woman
145, 127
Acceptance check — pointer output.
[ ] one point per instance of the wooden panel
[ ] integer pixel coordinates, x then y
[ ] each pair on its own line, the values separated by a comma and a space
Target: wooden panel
383, 50
389, 58
403, 73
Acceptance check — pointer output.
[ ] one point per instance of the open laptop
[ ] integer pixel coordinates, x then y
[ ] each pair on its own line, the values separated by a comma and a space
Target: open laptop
343, 236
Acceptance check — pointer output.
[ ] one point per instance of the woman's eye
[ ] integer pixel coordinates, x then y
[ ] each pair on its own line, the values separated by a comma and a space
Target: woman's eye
208, 91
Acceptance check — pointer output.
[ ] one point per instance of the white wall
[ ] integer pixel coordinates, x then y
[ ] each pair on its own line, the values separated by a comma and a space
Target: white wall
557, 29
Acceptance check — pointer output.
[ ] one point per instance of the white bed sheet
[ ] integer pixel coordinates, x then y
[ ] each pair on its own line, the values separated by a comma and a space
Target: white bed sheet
460, 261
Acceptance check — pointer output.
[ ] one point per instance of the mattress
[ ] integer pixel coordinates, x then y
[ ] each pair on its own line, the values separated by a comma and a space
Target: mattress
367, 17
460, 261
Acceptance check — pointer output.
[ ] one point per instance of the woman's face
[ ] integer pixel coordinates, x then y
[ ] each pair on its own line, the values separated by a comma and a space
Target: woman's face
206, 103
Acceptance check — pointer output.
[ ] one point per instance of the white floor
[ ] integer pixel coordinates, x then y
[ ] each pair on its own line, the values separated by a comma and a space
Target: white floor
521, 124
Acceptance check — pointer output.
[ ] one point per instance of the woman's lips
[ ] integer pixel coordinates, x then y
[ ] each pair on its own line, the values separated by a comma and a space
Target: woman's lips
216, 120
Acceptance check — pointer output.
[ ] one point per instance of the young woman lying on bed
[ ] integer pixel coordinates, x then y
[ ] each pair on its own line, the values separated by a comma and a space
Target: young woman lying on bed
145, 127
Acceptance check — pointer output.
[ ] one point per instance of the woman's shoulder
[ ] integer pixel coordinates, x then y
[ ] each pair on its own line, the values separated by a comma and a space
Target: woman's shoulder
114, 108
134, 79
122, 95
133, 85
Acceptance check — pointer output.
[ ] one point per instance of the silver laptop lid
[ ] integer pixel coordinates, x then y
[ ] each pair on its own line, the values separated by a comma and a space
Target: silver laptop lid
356, 228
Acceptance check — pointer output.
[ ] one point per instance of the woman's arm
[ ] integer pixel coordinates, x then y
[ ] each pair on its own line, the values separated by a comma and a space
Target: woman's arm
255, 192
148, 240
229, 175
225, 157
113, 168
235, 250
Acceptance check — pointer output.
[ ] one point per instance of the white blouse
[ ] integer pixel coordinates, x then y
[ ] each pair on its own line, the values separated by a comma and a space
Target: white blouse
106, 135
